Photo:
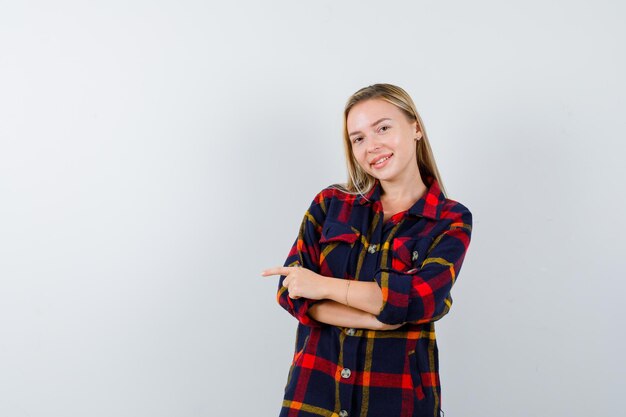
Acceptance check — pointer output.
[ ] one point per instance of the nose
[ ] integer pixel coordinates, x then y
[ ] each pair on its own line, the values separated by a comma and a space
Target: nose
374, 145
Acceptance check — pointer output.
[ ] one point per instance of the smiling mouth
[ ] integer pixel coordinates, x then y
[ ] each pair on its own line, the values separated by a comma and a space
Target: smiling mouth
381, 160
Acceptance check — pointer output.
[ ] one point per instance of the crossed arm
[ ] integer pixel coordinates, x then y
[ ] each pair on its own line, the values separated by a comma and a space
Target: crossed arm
365, 299
337, 314
332, 301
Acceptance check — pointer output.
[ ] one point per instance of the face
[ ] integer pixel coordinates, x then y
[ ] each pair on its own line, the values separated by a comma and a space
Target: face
379, 130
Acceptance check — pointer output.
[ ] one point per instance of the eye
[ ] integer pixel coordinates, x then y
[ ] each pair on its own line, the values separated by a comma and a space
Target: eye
385, 127
357, 139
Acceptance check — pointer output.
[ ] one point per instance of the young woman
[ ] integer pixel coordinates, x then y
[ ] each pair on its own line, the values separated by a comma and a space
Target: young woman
371, 271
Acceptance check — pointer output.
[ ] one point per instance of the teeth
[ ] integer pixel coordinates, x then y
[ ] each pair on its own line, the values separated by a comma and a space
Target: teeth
382, 160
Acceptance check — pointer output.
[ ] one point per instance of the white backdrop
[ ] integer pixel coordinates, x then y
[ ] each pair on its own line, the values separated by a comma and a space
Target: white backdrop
156, 156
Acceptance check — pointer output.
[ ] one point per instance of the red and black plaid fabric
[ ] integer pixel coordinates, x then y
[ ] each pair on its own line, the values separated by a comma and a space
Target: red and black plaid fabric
415, 257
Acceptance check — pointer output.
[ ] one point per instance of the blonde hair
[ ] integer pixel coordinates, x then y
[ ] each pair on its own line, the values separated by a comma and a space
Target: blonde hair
360, 182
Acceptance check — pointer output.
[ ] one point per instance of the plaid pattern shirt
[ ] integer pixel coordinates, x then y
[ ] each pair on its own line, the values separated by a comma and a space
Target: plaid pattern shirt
415, 257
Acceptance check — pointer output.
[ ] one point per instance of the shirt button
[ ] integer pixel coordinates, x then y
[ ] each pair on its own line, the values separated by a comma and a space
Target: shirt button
371, 249
343, 413
350, 332
345, 373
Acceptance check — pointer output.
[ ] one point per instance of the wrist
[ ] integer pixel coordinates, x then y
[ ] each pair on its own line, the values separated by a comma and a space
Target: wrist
335, 289
375, 324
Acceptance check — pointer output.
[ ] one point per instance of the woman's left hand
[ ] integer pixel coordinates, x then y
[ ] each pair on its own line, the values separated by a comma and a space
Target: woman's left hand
300, 281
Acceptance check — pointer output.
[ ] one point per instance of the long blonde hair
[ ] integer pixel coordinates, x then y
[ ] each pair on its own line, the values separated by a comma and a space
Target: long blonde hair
360, 182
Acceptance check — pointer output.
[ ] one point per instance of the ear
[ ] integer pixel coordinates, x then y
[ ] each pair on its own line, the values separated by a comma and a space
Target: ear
419, 134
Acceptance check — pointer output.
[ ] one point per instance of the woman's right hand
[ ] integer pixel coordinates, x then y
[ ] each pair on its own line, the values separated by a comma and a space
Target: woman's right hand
379, 325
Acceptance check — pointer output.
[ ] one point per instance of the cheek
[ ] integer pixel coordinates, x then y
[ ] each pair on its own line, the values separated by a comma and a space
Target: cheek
359, 158
408, 151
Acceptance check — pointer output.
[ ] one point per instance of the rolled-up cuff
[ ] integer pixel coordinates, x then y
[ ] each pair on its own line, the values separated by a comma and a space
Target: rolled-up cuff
396, 287
299, 308
304, 317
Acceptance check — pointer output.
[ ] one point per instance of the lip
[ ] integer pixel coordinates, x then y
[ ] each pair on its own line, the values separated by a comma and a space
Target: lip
390, 155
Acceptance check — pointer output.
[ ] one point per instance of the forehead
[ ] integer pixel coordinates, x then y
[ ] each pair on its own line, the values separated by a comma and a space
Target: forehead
363, 114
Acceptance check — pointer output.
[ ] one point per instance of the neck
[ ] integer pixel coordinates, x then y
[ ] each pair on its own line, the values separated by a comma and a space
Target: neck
406, 190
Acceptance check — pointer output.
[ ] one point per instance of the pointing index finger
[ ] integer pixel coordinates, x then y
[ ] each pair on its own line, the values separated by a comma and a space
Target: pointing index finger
279, 270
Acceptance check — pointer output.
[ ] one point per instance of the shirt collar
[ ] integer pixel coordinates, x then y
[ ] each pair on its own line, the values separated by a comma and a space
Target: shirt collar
429, 205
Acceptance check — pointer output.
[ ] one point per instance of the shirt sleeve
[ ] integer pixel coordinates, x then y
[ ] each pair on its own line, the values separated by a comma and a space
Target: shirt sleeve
305, 252
423, 295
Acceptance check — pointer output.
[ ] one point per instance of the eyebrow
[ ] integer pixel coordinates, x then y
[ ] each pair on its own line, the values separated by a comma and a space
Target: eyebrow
372, 125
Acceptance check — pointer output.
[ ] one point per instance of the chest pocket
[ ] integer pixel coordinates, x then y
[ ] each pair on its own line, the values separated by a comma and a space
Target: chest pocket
336, 245
408, 253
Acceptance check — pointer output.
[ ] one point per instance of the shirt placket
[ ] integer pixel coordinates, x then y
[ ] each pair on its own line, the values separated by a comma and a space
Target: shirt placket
379, 244
347, 375
377, 252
